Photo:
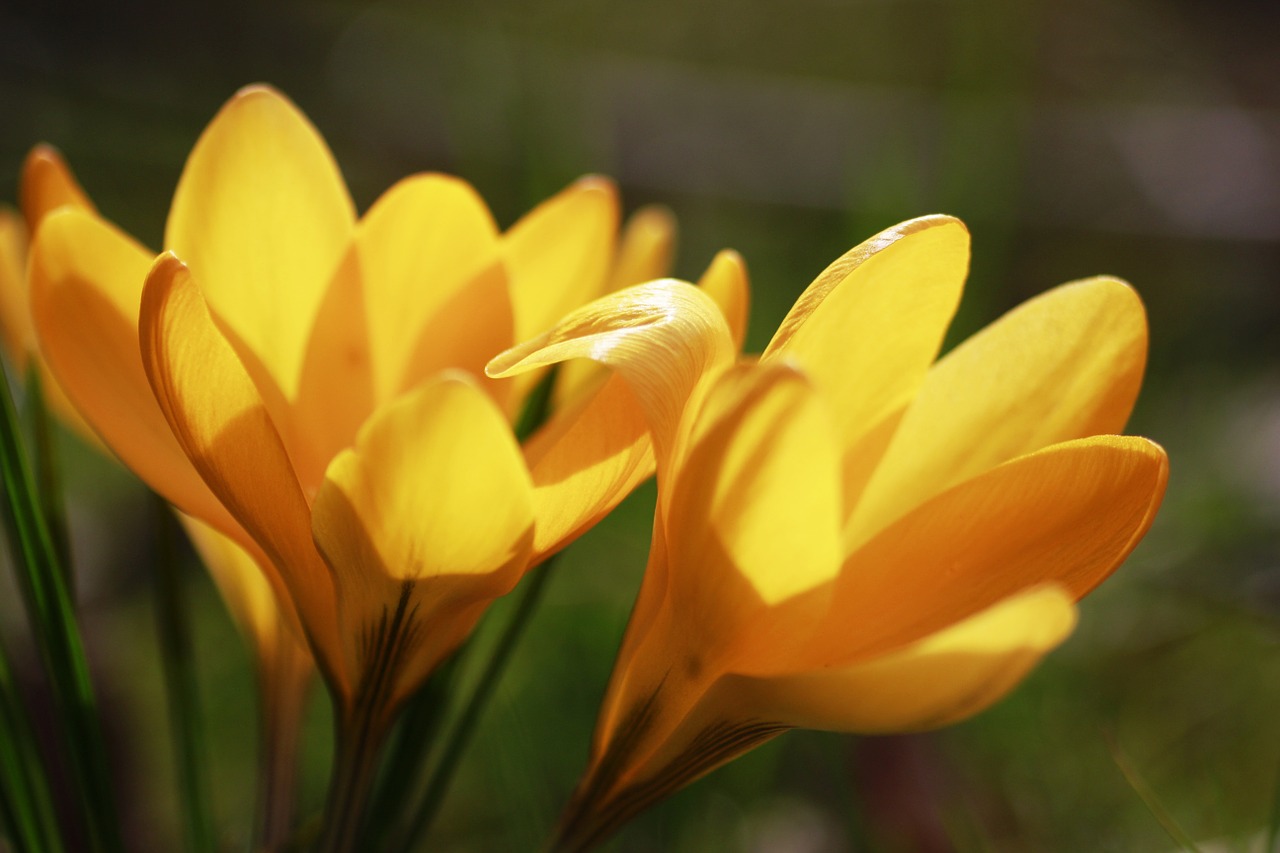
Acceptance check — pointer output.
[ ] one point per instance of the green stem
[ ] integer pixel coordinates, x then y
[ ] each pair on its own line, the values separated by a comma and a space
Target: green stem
25, 802
48, 477
47, 600
457, 739
173, 621
284, 678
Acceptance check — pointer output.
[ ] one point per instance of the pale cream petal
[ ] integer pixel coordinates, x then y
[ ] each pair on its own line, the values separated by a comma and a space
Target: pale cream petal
1064, 365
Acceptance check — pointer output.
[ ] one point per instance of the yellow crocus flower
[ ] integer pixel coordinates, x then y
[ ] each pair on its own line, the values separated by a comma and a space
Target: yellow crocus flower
310, 385
851, 536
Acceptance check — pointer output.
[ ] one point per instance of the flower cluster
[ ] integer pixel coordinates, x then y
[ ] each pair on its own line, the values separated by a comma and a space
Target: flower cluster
369, 433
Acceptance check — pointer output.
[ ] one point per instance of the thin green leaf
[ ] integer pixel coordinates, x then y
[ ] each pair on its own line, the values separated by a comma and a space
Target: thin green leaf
48, 477
46, 598
172, 622
1273, 828
25, 802
1148, 796
458, 737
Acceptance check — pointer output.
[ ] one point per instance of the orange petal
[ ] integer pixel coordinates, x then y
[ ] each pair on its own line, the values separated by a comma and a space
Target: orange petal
446, 540
220, 419
1068, 514
262, 216
15, 308
870, 325
941, 679
667, 339
86, 283
558, 254
1065, 365
47, 184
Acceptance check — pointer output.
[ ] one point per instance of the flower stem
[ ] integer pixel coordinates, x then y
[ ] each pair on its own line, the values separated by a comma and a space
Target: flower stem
173, 625
355, 765
284, 676
459, 736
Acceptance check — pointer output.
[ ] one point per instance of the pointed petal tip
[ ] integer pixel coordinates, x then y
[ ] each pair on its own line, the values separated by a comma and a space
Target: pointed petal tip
258, 90
596, 183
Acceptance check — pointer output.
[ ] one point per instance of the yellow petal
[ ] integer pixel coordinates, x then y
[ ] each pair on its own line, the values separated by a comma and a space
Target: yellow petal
725, 281
870, 325
585, 460
1065, 365
644, 254
434, 504
86, 281
426, 252
249, 584
262, 217
48, 184
646, 248
558, 254
666, 338
15, 308
222, 423
941, 679
1069, 514
753, 521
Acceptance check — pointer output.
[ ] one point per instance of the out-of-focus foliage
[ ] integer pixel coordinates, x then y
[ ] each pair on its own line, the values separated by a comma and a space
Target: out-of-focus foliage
1137, 138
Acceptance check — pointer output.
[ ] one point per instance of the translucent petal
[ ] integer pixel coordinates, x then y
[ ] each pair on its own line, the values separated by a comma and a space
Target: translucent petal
15, 307
86, 284
434, 504
261, 216
753, 521
870, 325
221, 421
558, 254
584, 461
1065, 365
1068, 514
667, 339
941, 679
47, 184
725, 281
646, 249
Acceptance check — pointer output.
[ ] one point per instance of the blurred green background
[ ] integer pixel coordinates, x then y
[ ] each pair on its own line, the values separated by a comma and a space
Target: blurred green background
1137, 138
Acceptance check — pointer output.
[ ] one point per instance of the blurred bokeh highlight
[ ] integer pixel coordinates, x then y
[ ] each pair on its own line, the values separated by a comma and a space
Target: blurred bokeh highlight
1137, 138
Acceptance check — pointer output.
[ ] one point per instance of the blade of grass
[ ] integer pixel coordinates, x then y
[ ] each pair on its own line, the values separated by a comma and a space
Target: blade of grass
1273, 827
173, 621
458, 737
25, 801
420, 721
1148, 796
48, 478
46, 598
413, 824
